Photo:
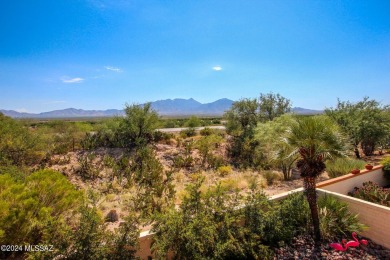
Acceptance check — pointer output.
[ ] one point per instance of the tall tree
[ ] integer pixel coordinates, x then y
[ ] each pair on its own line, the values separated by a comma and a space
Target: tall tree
272, 147
242, 119
367, 122
314, 139
273, 105
137, 127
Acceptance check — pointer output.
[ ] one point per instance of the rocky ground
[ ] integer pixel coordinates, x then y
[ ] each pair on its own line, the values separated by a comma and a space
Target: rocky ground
302, 247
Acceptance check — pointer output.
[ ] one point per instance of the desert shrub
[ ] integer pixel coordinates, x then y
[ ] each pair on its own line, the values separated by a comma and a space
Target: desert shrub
256, 215
386, 167
102, 138
155, 190
294, 212
137, 127
169, 123
229, 185
125, 241
187, 160
87, 169
372, 192
342, 166
291, 217
159, 136
336, 219
192, 122
206, 131
270, 176
216, 121
206, 146
215, 161
29, 206
89, 236
224, 170
17, 173
241, 151
189, 132
286, 220
18, 146
211, 226
112, 216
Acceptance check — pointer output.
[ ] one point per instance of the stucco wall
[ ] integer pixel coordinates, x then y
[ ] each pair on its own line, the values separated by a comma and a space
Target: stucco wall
346, 183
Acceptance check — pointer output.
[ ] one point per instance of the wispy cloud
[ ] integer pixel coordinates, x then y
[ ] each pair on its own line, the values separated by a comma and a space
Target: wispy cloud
217, 68
113, 68
71, 80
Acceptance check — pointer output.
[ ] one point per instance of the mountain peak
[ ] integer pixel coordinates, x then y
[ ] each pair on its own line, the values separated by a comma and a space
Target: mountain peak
166, 107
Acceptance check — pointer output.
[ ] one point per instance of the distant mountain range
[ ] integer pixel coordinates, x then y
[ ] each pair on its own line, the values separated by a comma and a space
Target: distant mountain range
167, 107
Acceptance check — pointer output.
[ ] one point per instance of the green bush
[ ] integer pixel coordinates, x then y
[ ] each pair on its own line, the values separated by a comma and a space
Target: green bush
373, 193
215, 161
28, 206
192, 122
206, 131
224, 170
342, 166
137, 127
159, 136
287, 219
386, 167
87, 169
206, 147
270, 176
335, 218
89, 237
18, 146
189, 132
207, 226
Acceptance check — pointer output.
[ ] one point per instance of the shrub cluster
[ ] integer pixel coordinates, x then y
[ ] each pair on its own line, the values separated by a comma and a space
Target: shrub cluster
342, 166
386, 167
372, 192
45, 208
214, 225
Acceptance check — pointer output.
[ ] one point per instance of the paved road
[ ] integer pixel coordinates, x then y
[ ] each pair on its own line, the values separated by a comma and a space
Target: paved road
179, 129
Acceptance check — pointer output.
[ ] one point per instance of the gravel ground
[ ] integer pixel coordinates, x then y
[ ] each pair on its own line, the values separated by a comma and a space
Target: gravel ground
302, 247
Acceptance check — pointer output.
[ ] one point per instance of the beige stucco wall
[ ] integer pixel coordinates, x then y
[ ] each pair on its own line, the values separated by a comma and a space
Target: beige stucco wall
346, 183
145, 242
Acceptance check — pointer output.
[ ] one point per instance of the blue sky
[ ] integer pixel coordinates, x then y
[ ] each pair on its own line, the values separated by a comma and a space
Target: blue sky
100, 54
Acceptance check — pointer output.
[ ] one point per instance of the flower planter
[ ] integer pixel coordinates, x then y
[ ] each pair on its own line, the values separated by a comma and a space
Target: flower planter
369, 166
355, 171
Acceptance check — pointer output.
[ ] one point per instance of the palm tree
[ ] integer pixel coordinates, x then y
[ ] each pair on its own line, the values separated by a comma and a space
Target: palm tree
314, 139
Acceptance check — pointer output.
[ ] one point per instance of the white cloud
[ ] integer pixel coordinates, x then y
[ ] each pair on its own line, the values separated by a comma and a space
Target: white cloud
217, 68
113, 68
71, 80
